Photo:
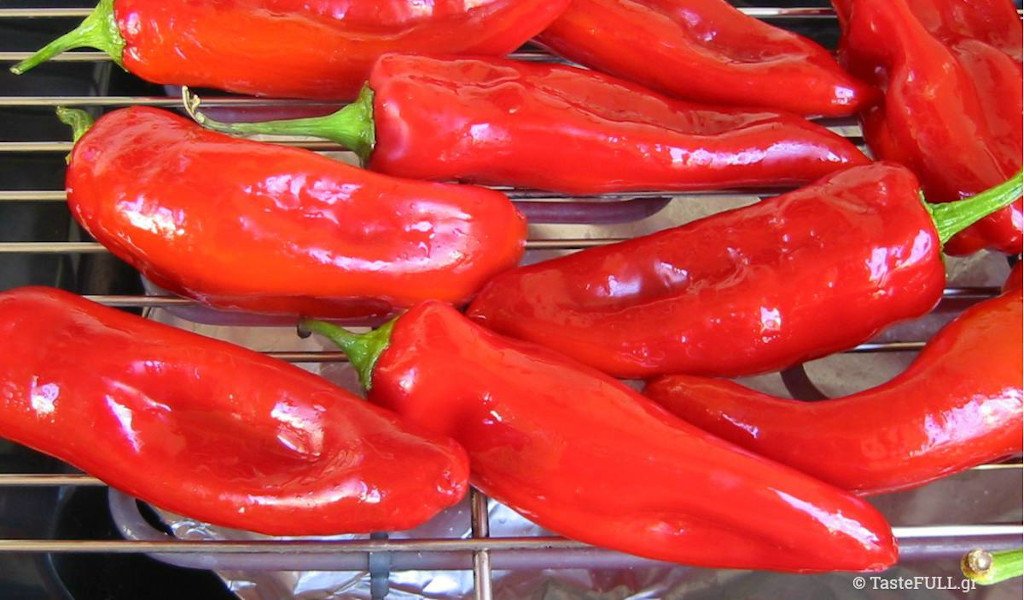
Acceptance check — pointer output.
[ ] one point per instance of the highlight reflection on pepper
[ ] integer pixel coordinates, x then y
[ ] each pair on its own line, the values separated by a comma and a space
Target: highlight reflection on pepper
210, 430
960, 404
259, 227
769, 285
585, 456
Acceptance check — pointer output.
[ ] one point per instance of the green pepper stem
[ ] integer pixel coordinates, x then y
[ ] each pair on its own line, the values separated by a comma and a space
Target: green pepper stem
98, 30
351, 126
989, 568
953, 217
362, 350
79, 120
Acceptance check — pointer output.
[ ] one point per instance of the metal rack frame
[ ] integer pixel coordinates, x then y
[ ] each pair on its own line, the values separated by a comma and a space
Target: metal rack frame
480, 545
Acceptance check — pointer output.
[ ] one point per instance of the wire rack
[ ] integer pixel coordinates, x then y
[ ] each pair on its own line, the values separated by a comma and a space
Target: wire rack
480, 547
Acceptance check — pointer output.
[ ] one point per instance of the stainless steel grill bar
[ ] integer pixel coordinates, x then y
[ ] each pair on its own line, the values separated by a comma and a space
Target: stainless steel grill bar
54, 101
288, 546
887, 347
329, 356
143, 301
760, 13
35, 147
90, 56
96, 248
313, 546
36, 13
326, 356
481, 529
30, 480
515, 194
972, 293
51, 248
75, 56
847, 129
42, 480
43, 196
33, 196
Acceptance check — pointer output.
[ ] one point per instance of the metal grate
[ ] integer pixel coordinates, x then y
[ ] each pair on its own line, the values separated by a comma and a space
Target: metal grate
480, 545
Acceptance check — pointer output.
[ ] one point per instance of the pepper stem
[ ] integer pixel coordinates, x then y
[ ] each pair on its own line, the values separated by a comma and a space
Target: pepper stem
953, 217
79, 120
989, 568
98, 30
351, 126
362, 350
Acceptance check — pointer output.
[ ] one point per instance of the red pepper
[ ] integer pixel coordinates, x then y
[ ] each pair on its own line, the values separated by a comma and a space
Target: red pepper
950, 71
206, 429
750, 290
705, 50
560, 128
292, 48
583, 455
251, 226
959, 405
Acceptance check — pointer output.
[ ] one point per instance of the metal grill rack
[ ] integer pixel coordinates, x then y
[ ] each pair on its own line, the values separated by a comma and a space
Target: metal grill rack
479, 552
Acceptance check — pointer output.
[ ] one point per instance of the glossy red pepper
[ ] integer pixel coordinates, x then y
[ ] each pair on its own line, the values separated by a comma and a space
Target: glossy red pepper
583, 455
560, 128
755, 289
206, 429
292, 48
959, 405
950, 71
705, 50
258, 227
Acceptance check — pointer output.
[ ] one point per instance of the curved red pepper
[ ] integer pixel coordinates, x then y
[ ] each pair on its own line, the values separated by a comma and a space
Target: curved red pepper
560, 128
960, 404
750, 290
587, 457
210, 430
705, 50
292, 48
244, 225
951, 74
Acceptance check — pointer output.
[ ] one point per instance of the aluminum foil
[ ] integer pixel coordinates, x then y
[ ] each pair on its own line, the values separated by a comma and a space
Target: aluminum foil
973, 497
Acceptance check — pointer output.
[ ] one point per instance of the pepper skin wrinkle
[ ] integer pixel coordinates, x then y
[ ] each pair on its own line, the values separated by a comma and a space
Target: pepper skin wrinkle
707, 51
583, 455
289, 48
211, 430
950, 71
250, 226
751, 290
564, 129
957, 406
